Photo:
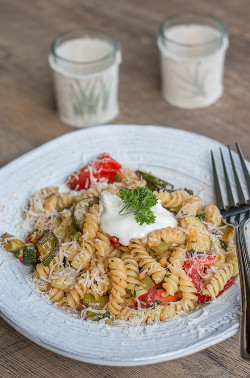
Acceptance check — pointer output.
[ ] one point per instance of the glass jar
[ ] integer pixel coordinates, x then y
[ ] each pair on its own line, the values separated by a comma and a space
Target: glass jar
192, 52
85, 65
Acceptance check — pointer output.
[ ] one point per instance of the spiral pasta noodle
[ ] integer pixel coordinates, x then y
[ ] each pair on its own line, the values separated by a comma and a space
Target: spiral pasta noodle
169, 235
212, 215
119, 285
68, 199
130, 178
160, 313
188, 291
82, 258
171, 280
190, 206
62, 283
177, 257
102, 243
146, 261
55, 294
219, 280
90, 226
172, 200
132, 271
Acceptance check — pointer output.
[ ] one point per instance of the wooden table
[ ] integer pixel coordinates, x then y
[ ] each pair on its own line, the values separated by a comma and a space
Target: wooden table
28, 119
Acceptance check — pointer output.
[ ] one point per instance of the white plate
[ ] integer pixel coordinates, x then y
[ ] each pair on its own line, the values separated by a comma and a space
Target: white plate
179, 156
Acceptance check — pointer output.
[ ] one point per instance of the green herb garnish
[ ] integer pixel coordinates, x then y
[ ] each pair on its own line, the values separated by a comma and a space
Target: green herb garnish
162, 240
154, 303
140, 200
116, 177
168, 273
193, 252
201, 216
223, 244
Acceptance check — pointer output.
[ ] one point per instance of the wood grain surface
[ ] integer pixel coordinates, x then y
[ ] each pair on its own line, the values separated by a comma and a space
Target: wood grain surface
28, 118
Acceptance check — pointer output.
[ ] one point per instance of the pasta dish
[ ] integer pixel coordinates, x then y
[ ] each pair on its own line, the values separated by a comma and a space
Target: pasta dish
121, 245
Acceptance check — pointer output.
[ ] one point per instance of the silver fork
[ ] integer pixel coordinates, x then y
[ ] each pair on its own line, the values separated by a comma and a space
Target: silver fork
237, 214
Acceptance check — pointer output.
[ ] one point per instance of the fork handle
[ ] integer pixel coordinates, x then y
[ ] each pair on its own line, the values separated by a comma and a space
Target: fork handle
244, 269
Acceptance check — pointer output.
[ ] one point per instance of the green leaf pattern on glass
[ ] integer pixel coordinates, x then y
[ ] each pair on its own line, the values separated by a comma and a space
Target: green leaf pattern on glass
88, 101
192, 84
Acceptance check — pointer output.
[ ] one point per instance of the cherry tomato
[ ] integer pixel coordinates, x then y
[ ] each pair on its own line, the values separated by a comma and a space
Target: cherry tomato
156, 293
103, 167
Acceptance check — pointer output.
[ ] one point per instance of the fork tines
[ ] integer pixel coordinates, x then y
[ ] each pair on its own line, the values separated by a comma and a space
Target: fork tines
242, 198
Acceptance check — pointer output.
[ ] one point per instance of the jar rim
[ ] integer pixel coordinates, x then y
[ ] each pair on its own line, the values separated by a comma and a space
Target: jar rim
72, 32
205, 15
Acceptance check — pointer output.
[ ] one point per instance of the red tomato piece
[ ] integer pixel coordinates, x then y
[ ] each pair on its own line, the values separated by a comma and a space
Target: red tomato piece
156, 293
194, 267
115, 240
103, 167
207, 298
228, 284
203, 298
21, 259
27, 239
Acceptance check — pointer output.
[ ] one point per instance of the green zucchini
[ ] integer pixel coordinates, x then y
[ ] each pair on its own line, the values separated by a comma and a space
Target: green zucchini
147, 283
90, 301
27, 254
12, 245
58, 229
35, 236
80, 209
96, 316
47, 246
154, 182
98, 304
159, 249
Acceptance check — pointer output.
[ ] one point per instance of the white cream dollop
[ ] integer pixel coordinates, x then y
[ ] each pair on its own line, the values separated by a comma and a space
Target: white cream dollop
124, 225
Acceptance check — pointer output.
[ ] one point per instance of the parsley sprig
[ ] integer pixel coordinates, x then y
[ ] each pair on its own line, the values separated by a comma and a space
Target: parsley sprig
140, 200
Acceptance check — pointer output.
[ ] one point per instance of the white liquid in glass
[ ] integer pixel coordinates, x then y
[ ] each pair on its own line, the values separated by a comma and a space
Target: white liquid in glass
192, 41
89, 55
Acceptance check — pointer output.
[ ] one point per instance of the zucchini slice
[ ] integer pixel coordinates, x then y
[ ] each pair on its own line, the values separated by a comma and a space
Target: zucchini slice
47, 246
147, 283
80, 209
154, 182
27, 254
35, 236
90, 301
159, 249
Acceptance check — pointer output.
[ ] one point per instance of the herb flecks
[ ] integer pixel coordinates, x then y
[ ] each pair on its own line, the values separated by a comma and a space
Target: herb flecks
223, 244
201, 216
154, 303
168, 273
133, 294
140, 200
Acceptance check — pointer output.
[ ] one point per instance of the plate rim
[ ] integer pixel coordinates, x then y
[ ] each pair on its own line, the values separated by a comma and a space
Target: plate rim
168, 356
86, 129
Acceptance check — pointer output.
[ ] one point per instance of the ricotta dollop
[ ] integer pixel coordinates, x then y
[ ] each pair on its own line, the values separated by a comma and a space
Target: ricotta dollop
124, 225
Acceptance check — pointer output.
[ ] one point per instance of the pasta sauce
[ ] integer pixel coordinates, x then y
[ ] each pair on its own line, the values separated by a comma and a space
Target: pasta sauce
124, 226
